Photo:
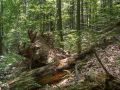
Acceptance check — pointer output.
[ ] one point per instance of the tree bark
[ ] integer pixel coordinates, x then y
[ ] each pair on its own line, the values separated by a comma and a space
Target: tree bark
59, 22
78, 27
1, 28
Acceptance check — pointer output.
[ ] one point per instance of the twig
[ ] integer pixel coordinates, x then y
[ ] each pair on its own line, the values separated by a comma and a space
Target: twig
104, 68
77, 72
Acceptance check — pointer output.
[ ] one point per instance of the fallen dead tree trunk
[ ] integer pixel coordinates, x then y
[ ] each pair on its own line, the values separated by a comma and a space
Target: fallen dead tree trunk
52, 73
48, 73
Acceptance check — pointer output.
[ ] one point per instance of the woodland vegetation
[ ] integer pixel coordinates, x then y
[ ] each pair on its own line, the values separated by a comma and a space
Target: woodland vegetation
59, 44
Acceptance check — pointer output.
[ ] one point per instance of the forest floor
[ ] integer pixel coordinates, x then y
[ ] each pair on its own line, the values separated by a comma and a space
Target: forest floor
90, 73
82, 71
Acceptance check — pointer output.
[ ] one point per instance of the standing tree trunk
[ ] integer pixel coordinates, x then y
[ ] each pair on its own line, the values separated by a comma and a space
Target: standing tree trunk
78, 27
86, 15
110, 9
82, 15
51, 22
59, 22
1, 27
72, 15
90, 16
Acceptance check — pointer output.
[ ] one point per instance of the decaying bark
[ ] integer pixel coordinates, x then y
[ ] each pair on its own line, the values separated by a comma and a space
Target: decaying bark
47, 64
40, 51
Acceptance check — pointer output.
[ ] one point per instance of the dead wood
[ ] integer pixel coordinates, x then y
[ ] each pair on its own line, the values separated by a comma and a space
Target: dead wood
110, 76
47, 64
54, 72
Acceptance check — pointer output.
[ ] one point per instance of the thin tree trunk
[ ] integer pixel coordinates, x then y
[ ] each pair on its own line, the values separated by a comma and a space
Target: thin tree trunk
110, 9
1, 28
78, 27
71, 14
59, 22
87, 15
82, 15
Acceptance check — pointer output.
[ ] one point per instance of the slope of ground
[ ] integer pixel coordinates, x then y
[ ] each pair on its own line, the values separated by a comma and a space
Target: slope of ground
90, 75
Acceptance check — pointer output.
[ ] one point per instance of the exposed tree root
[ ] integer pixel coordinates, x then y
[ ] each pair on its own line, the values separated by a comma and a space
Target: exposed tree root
47, 65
